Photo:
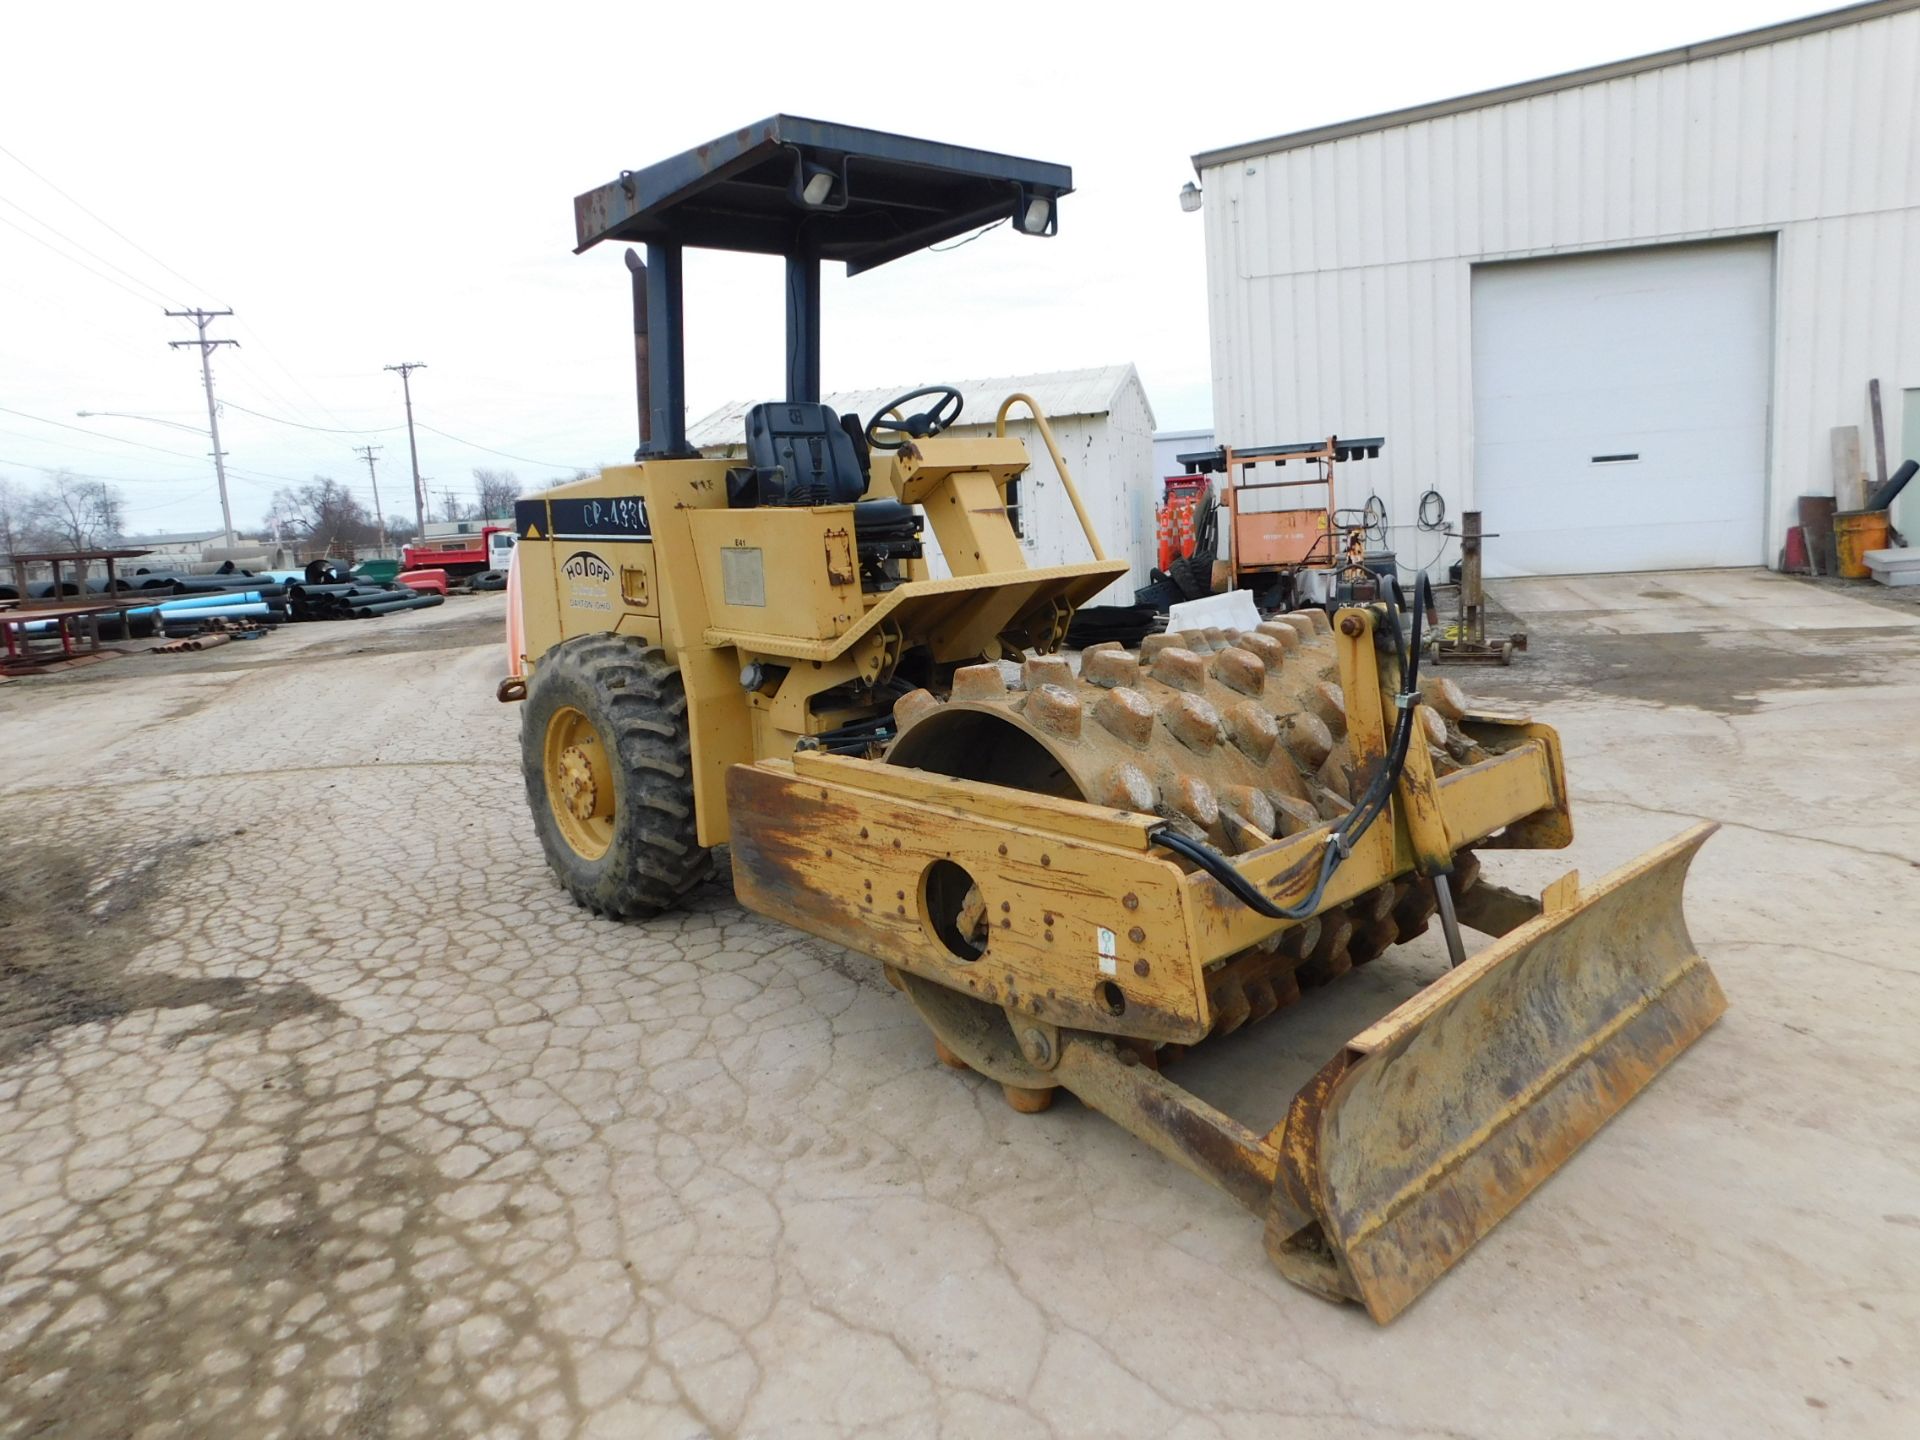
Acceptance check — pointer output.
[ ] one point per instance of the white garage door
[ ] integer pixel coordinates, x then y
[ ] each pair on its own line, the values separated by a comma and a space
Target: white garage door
1620, 408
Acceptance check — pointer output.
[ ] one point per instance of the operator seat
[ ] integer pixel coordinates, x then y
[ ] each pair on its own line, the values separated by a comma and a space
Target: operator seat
804, 454
815, 456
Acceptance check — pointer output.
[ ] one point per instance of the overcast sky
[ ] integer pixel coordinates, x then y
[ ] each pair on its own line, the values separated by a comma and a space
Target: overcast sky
367, 184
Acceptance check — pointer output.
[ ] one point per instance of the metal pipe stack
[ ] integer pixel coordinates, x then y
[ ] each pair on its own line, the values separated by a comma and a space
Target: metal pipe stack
353, 600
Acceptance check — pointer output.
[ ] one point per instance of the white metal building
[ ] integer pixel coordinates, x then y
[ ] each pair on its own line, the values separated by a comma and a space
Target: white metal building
1104, 427
1620, 310
1170, 445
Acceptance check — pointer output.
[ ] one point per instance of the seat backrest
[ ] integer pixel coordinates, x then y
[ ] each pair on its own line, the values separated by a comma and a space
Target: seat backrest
811, 448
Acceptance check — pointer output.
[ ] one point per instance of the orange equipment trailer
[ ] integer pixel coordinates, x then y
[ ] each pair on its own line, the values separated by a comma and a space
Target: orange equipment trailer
1265, 545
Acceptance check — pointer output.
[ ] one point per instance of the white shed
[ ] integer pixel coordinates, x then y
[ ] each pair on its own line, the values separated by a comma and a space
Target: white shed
1620, 311
1104, 426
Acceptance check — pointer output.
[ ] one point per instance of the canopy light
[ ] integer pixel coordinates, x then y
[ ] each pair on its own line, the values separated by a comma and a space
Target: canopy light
1035, 217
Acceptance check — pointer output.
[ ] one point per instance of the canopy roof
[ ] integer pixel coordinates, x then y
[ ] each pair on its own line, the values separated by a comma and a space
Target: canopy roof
885, 196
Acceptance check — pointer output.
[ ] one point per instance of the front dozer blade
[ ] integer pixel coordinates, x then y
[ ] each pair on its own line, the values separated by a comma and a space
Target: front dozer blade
1434, 1123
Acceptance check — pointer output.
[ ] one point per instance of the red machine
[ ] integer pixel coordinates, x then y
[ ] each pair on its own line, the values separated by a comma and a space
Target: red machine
1186, 496
1265, 543
463, 554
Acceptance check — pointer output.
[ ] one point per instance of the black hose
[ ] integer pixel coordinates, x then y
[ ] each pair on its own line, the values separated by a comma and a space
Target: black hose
1348, 829
1895, 483
1206, 533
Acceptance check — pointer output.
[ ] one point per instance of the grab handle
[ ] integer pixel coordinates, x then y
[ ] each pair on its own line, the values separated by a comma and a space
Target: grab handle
1059, 463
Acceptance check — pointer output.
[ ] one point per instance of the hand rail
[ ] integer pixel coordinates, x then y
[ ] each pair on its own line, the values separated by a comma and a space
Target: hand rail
1059, 464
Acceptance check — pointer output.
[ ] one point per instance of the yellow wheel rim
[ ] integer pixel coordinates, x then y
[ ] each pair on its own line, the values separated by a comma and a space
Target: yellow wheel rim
579, 775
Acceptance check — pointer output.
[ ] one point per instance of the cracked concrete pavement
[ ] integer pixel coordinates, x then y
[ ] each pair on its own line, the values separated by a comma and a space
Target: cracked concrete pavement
322, 1112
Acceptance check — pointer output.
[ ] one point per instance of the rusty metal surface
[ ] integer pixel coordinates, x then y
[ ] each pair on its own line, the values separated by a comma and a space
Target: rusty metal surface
1493, 909
1426, 1130
1249, 742
1440, 1119
67, 557
1067, 953
20, 650
69, 608
855, 866
1177, 1123
191, 642
1466, 642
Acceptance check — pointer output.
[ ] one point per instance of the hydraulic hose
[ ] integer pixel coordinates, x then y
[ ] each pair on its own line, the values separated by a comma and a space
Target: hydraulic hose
1348, 829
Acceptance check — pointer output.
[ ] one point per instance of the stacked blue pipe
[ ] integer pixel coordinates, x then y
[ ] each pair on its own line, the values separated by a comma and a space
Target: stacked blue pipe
194, 607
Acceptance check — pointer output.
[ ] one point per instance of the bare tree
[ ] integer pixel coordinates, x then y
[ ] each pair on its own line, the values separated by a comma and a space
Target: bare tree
13, 521
495, 490
68, 513
401, 530
13, 515
323, 514
453, 509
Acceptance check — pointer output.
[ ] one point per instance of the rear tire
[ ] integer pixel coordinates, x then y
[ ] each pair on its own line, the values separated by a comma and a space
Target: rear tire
1194, 576
1160, 594
607, 756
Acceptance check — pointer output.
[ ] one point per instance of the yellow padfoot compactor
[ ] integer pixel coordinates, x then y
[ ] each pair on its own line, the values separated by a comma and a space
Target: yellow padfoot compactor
1074, 871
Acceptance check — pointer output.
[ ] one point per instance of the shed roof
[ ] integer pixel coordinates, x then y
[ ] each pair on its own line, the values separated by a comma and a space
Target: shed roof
1060, 393
1569, 80
182, 537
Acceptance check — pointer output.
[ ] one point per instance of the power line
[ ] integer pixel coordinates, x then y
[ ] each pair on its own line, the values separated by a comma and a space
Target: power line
265, 349
278, 395
252, 330
268, 483
298, 425
67, 445
167, 504
84, 475
201, 319
389, 429
256, 476
101, 434
97, 274
274, 357
507, 455
264, 383
53, 230
97, 220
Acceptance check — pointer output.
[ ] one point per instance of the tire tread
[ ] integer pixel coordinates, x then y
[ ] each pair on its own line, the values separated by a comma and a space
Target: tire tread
633, 693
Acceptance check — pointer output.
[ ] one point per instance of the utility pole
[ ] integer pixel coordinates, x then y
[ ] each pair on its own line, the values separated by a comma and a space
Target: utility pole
366, 452
453, 506
201, 319
419, 496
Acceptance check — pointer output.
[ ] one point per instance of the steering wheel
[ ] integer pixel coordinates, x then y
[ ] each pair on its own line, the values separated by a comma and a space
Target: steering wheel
917, 426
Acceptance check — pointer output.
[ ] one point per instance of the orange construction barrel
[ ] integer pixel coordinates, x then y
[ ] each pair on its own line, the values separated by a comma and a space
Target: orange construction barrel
1854, 533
